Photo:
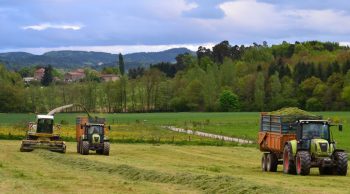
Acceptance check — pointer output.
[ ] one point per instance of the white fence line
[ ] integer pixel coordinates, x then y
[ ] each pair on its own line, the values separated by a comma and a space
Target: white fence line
209, 135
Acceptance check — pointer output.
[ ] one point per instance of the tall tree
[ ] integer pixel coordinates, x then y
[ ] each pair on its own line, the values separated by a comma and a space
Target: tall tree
121, 64
48, 77
259, 91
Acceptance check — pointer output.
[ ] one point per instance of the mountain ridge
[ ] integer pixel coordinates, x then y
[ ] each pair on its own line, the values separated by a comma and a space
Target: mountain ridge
70, 59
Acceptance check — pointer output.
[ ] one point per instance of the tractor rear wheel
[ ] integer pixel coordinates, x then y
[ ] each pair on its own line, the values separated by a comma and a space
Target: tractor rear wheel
341, 159
271, 162
85, 148
288, 162
106, 148
264, 162
303, 161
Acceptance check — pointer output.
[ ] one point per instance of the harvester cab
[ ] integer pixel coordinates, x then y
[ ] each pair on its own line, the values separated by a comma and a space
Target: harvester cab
92, 134
43, 134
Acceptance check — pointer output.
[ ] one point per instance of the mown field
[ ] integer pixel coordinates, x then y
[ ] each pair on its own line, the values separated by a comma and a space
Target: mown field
147, 168
145, 158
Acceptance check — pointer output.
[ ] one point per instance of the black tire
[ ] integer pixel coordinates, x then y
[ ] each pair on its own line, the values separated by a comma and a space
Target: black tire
271, 162
85, 148
325, 170
78, 146
341, 159
303, 161
264, 162
288, 162
106, 148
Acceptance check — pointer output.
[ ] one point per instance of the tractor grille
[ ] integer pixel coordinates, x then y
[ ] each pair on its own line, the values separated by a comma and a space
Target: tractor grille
324, 147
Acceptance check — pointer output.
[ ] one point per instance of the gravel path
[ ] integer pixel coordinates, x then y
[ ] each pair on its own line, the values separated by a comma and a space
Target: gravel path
210, 135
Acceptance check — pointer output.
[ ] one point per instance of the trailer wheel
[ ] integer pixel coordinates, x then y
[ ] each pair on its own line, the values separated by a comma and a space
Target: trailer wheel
341, 159
85, 148
303, 161
271, 162
78, 146
264, 162
106, 148
288, 162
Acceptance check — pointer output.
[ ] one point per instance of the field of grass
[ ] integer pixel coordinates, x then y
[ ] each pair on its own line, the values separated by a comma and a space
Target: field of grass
146, 127
146, 168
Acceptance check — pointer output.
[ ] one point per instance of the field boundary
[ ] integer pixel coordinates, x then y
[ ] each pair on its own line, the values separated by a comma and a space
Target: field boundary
209, 135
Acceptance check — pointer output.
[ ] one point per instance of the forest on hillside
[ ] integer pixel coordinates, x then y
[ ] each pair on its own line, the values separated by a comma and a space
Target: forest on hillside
311, 75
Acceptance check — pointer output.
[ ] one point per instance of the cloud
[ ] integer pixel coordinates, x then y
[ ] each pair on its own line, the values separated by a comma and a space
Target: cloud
115, 49
46, 26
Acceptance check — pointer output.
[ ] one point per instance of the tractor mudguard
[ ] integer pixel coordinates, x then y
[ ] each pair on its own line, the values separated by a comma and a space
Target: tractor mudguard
293, 145
338, 150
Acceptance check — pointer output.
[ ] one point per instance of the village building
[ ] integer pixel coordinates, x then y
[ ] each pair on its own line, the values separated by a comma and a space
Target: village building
39, 74
109, 77
73, 76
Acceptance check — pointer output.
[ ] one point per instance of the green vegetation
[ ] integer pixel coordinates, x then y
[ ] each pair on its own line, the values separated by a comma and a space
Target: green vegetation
310, 75
145, 168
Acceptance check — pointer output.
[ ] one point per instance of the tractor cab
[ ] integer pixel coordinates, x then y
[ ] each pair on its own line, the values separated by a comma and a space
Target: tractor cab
313, 129
94, 133
315, 136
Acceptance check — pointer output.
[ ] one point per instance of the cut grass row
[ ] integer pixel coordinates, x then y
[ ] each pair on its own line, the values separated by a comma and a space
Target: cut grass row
145, 168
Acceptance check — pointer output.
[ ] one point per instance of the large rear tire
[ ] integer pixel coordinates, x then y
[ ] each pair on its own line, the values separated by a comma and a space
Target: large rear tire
303, 160
271, 162
341, 159
85, 148
288, 162
106, 148
264, 162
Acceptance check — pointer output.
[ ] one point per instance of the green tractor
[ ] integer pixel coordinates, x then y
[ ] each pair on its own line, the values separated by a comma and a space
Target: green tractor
314, 147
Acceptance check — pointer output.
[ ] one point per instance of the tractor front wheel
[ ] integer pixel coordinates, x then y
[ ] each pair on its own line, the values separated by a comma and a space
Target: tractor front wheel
288, 162
106, 148
341, 159
303, 161
85, 148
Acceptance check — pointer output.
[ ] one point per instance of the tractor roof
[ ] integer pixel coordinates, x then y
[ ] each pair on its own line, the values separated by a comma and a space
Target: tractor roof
44, 117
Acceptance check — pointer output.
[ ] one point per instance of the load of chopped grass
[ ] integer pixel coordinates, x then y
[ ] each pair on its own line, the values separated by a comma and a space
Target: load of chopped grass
292, 111
291, 114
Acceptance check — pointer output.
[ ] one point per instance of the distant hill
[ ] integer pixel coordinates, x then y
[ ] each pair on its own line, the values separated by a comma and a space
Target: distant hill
75, 59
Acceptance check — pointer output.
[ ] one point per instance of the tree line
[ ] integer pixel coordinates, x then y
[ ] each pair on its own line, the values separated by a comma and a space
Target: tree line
311, 75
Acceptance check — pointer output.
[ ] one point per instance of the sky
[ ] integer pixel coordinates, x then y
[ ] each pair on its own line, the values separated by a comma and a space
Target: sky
114, 26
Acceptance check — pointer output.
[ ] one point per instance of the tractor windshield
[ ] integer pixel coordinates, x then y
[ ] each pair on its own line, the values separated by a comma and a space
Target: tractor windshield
45, 126
95, 129
315, 130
